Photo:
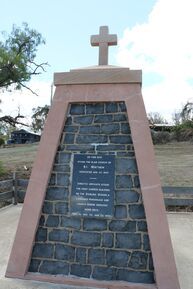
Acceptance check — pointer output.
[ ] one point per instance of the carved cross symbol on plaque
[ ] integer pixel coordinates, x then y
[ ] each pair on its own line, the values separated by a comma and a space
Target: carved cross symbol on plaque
103, 40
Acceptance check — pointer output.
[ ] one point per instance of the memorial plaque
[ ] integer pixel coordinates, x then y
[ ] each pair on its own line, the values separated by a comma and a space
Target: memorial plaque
93, 179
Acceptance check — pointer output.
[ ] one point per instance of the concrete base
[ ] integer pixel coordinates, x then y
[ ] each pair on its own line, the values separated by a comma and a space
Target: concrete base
181, 228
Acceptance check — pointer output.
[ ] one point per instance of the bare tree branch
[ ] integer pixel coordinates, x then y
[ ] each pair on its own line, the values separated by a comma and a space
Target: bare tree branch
13, 120
41, 65
23, 85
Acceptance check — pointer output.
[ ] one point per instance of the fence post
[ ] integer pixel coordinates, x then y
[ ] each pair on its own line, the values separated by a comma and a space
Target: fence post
15, 198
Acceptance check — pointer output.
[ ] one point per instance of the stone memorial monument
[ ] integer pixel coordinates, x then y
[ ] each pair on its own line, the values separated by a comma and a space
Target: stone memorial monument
94, 213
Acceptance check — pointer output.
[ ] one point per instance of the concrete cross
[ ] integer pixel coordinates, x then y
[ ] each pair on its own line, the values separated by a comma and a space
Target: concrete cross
103, 40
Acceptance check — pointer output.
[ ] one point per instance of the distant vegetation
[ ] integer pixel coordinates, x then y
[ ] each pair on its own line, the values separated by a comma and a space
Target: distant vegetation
182, 130
2, 142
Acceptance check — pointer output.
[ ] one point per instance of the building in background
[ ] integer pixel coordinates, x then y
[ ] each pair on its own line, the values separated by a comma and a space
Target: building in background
23, 136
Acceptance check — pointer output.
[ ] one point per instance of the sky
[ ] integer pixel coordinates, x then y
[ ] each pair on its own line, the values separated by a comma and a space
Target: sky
153, 35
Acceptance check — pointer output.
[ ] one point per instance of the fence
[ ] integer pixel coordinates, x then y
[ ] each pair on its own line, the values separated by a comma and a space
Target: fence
178, 196
14, 190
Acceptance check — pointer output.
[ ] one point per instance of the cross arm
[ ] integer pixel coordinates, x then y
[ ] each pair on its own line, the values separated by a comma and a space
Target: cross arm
96, 39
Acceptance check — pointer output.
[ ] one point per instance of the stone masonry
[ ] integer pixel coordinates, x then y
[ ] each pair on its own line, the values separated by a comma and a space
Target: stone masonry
97, 248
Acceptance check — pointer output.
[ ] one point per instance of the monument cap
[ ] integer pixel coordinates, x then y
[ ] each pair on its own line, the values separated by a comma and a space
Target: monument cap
102, 73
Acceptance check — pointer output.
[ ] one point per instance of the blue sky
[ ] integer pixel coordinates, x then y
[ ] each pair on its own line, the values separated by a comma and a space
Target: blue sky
67, 26
151, 37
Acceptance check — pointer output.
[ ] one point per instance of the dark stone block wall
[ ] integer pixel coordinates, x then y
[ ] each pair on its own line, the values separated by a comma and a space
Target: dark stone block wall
98, 248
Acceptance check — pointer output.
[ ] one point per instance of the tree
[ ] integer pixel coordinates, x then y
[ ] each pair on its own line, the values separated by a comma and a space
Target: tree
185, 115
6, 128
184, 128
187, 112
17, 61
39, 117
156, 118
17, 57
176, 117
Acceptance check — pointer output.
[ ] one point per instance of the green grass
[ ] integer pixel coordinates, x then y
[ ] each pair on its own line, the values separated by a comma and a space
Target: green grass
175, 161
2, 169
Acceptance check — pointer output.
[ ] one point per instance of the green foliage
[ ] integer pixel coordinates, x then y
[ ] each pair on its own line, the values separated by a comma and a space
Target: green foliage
184, 131
39, 117
17, 57
2, 142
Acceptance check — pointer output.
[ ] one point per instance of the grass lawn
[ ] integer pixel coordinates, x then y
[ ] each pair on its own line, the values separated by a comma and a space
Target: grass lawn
15, 158
175, 161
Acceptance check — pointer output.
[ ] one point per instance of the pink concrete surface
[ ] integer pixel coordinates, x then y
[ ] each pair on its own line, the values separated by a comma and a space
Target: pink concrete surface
91, 283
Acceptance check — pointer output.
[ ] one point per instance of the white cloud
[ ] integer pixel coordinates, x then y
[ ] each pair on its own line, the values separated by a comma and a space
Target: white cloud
163, 45
24, 99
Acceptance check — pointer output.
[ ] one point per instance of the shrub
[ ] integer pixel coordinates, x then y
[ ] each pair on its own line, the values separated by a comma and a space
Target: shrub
184, 131
2, 142
160, 137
